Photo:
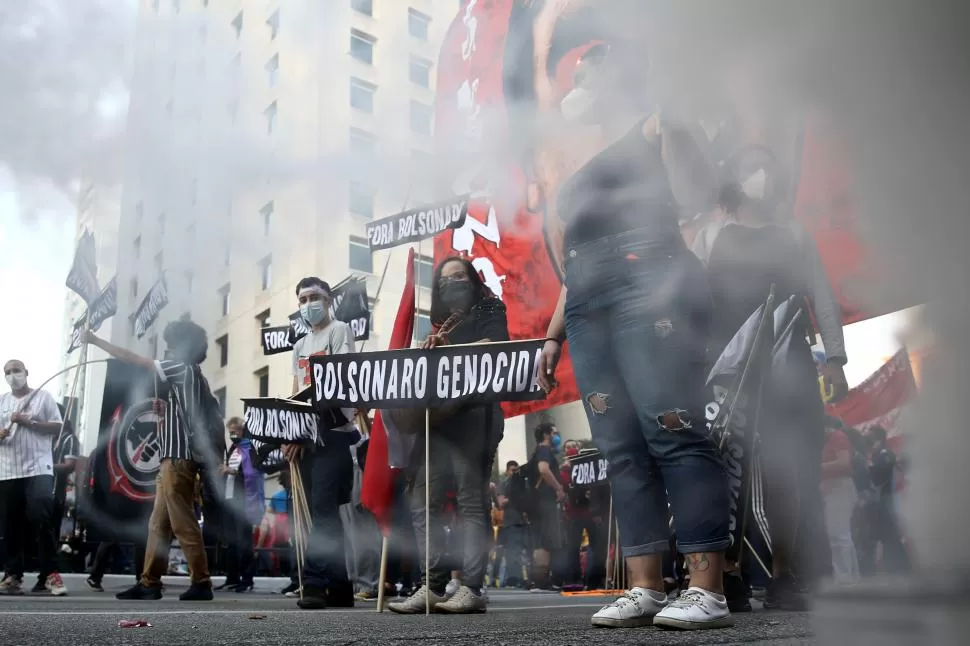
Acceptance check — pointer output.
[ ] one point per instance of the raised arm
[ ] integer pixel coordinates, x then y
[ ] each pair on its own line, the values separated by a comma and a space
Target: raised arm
120, 353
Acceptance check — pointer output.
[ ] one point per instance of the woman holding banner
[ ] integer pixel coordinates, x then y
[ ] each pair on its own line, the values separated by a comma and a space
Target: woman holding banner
634, 308
464, 441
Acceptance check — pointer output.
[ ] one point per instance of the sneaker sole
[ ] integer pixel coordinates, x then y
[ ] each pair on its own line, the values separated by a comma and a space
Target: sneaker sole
459, 611
629, 622
679, 624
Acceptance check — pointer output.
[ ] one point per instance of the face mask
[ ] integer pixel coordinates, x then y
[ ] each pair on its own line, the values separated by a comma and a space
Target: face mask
572, 451
17, 380
556, 442
577, 106
313, 312
457, 295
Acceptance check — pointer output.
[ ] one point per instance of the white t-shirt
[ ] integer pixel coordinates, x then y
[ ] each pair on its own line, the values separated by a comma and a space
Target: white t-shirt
27, 453
336, 338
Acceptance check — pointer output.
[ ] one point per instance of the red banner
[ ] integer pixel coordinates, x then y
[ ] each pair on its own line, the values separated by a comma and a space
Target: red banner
879, 399
502, 238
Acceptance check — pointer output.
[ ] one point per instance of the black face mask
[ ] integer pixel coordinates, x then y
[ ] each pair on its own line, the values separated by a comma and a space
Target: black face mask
457, 295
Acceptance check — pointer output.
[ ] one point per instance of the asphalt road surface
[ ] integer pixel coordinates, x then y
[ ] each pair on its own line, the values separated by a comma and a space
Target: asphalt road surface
265, 617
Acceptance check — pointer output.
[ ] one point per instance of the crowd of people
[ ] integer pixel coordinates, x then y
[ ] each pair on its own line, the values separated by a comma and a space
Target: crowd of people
648, 303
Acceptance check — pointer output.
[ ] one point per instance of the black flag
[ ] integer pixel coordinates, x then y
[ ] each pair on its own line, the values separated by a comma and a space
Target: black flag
147, 312
350, 305
83, 277
105, 305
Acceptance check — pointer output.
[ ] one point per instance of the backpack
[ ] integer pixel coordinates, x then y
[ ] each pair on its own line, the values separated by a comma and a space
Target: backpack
522, 485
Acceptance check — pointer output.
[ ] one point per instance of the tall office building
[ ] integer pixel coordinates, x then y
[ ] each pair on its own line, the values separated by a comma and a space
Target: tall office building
263, 135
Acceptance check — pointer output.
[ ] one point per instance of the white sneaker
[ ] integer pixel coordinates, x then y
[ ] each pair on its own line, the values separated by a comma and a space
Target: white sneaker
292, 594
417, 603
695, 609
453, 586
635, 607
55, 584
465, 602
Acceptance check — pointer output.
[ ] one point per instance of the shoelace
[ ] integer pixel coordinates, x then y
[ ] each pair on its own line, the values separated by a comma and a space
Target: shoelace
624, 599
688, 600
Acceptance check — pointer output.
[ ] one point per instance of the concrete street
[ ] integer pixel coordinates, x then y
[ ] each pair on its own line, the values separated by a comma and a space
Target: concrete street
265, 617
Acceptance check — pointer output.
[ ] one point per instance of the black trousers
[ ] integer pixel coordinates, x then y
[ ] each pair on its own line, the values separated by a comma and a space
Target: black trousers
109, 551
26, 515
240, 557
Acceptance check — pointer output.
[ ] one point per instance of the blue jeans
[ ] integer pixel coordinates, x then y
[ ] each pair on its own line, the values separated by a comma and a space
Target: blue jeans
637, 314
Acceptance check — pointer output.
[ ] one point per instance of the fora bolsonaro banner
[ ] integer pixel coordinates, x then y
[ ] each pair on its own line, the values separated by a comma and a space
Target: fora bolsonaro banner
472, 374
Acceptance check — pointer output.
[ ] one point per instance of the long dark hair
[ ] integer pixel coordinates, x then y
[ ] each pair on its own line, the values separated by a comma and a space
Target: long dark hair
440, 313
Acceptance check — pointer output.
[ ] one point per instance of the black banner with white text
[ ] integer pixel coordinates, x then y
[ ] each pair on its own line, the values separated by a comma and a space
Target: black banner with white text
273, 421
153, 303
415, 378
417, 224
588, 469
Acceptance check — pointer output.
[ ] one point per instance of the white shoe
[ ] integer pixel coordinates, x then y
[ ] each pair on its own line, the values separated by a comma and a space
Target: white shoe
293, 594
695, 609
453, 586
635, 607
417, 603
55, 584
465, 602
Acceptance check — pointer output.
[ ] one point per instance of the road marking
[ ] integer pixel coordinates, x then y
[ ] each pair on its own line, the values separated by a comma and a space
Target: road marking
158, 613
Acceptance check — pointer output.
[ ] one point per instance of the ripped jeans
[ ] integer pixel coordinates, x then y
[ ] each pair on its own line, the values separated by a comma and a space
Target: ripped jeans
637, 315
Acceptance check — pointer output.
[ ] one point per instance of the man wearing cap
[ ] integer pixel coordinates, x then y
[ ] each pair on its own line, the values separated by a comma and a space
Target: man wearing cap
327, 468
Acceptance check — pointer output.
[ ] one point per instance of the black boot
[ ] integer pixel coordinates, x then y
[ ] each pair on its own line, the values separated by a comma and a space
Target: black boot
313, 599
139, 592
786, 593
341, 596
197, 592
737, 593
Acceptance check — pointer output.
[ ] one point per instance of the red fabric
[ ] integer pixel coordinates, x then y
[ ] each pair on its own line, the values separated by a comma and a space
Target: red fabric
377, 488
507, 241
836, 442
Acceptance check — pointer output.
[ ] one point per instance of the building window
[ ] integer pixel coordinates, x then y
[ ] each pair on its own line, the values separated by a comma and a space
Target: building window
223, 343
266, 272
237, 24
420, 118
422, 326
224, 299
176, 5
420, 72
361, 142
418, 24
161, 224
361, 200
270, 114
139, 210
137, 245
262, 381
266, 213
360, 258
365, 7
362, 95
189, 281
362, 46
273, 71
262, 319
220, 396
423, 271
159, 263
133, 288
274, 24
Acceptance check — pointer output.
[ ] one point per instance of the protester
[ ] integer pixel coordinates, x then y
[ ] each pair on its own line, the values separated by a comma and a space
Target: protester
463, 444
884, 525
747, 252
65, 453
840, 497
549, 495
634, 308
327, 468
245, 498
29, 421
512, 538
580, 518
187, 440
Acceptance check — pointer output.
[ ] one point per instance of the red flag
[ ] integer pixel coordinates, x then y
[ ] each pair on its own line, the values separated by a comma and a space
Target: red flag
377, 489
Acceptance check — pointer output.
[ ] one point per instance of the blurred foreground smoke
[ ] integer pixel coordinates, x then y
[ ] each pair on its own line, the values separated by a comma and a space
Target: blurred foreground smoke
892, 77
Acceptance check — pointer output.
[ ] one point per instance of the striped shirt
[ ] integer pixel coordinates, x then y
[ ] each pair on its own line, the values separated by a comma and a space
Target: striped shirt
183, 407
27, 453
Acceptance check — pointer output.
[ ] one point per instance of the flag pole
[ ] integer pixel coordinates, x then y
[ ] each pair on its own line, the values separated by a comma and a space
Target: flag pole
382, 579
427, 507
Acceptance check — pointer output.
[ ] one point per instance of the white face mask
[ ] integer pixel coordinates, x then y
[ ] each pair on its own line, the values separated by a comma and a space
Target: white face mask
577, 105
17, 380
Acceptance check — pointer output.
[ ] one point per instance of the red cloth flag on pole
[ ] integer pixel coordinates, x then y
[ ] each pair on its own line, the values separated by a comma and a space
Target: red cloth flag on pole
377, 489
